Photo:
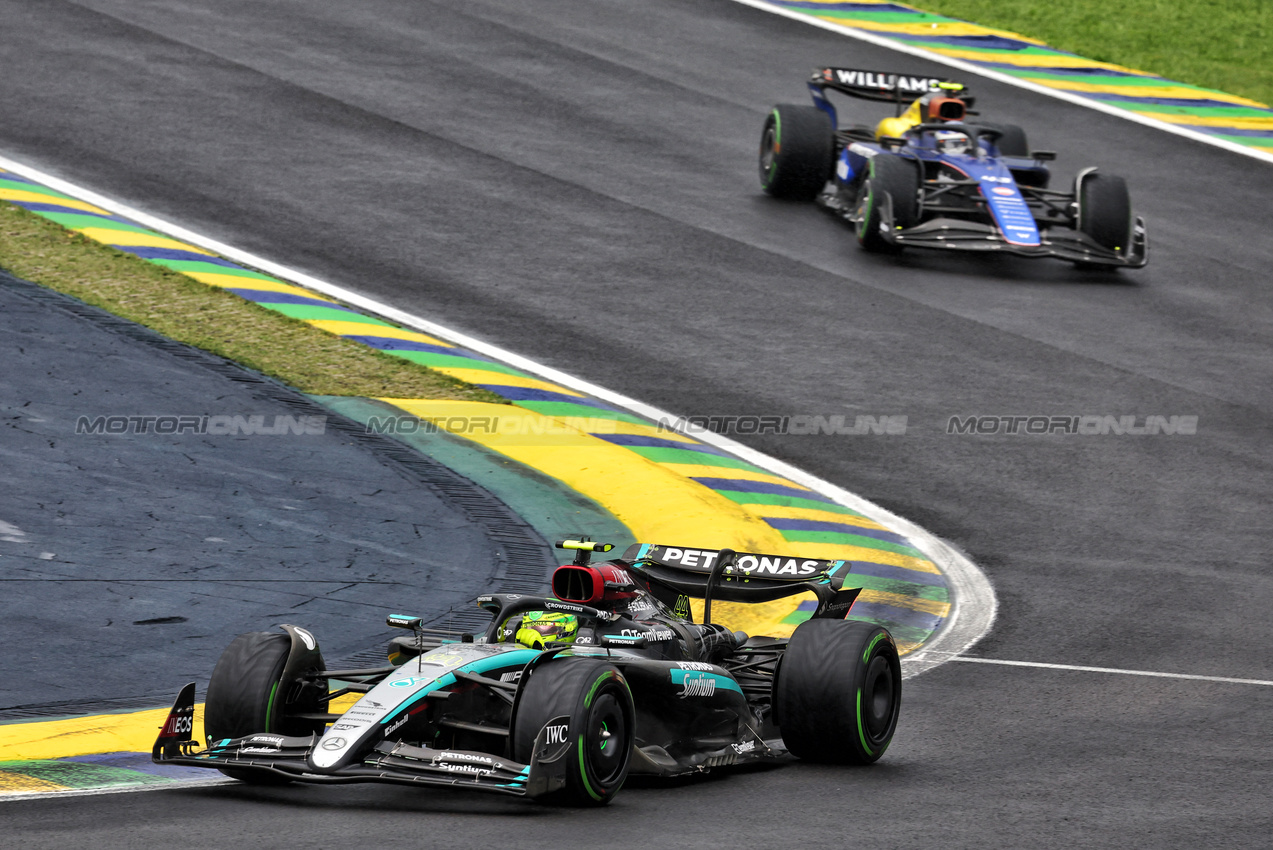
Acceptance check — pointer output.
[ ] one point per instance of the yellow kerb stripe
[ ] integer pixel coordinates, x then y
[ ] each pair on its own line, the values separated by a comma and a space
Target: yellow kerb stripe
22, 196
486, 376
129, 239
343, 328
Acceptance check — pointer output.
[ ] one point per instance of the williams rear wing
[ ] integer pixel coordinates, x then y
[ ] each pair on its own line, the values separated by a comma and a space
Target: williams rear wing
880, 85
899, 89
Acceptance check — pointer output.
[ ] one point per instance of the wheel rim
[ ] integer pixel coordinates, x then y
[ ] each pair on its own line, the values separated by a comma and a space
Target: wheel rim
767, 153
606, 735
879, 698
862, 210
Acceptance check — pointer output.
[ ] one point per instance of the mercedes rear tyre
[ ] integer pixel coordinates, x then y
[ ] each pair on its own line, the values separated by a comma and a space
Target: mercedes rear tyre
896, 178
247, 695
1104, 209
602, 725
797, 149
838, 692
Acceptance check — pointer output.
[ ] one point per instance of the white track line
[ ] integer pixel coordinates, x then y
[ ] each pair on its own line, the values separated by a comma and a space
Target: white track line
973, 601
881, 41
1084, 669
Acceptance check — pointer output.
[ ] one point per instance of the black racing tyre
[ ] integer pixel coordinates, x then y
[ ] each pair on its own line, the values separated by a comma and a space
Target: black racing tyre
1011, 141
596, 698
1104, 210
899, 179
246, 695
797, 152
838, 692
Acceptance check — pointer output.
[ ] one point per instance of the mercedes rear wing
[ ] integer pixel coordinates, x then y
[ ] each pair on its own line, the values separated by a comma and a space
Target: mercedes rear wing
748, 577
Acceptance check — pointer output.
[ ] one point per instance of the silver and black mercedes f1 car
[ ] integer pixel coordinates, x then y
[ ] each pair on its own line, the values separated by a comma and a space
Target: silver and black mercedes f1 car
563, 696
927, 177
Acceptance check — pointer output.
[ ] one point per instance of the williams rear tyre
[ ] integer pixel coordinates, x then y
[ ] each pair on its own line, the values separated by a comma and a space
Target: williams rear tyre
596, 698
899, 180
838, 692
1011, 140
797, 149
1104, 209
247, 694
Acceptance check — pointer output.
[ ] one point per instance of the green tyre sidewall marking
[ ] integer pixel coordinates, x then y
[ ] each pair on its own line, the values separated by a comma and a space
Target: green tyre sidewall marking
269, 708
862, 732
583, 772
871, 648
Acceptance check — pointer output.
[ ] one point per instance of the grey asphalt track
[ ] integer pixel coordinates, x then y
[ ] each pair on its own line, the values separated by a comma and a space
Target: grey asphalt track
575, 181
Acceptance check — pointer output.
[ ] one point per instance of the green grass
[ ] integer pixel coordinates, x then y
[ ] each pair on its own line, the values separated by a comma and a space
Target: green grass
1216, 44
181, 308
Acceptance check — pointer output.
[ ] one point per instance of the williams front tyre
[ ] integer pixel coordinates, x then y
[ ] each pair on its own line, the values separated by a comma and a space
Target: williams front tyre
1104, 209
892, 181
838, 692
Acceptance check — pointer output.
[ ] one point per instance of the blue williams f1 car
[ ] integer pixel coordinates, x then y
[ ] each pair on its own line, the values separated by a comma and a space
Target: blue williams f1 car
561, 697
927, 178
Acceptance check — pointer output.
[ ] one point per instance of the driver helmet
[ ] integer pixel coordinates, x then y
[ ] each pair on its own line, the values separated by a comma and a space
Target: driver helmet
540, 628
951, 141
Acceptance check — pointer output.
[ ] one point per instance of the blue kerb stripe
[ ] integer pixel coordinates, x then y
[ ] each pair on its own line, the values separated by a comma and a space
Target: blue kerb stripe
844, 7
643, 441
745, 486
9, 175
147, 253
58, 208
888, 571
531, 394
989, 42
1187, 102
264, 296
788, 524
1230, 131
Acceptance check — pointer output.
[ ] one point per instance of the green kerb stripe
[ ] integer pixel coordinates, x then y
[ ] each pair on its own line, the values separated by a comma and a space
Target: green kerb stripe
1200, 111
901, 588
309, 313
76, 221
214, 268
880, 17
744, 498
450, 361
660, 454
846, 539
